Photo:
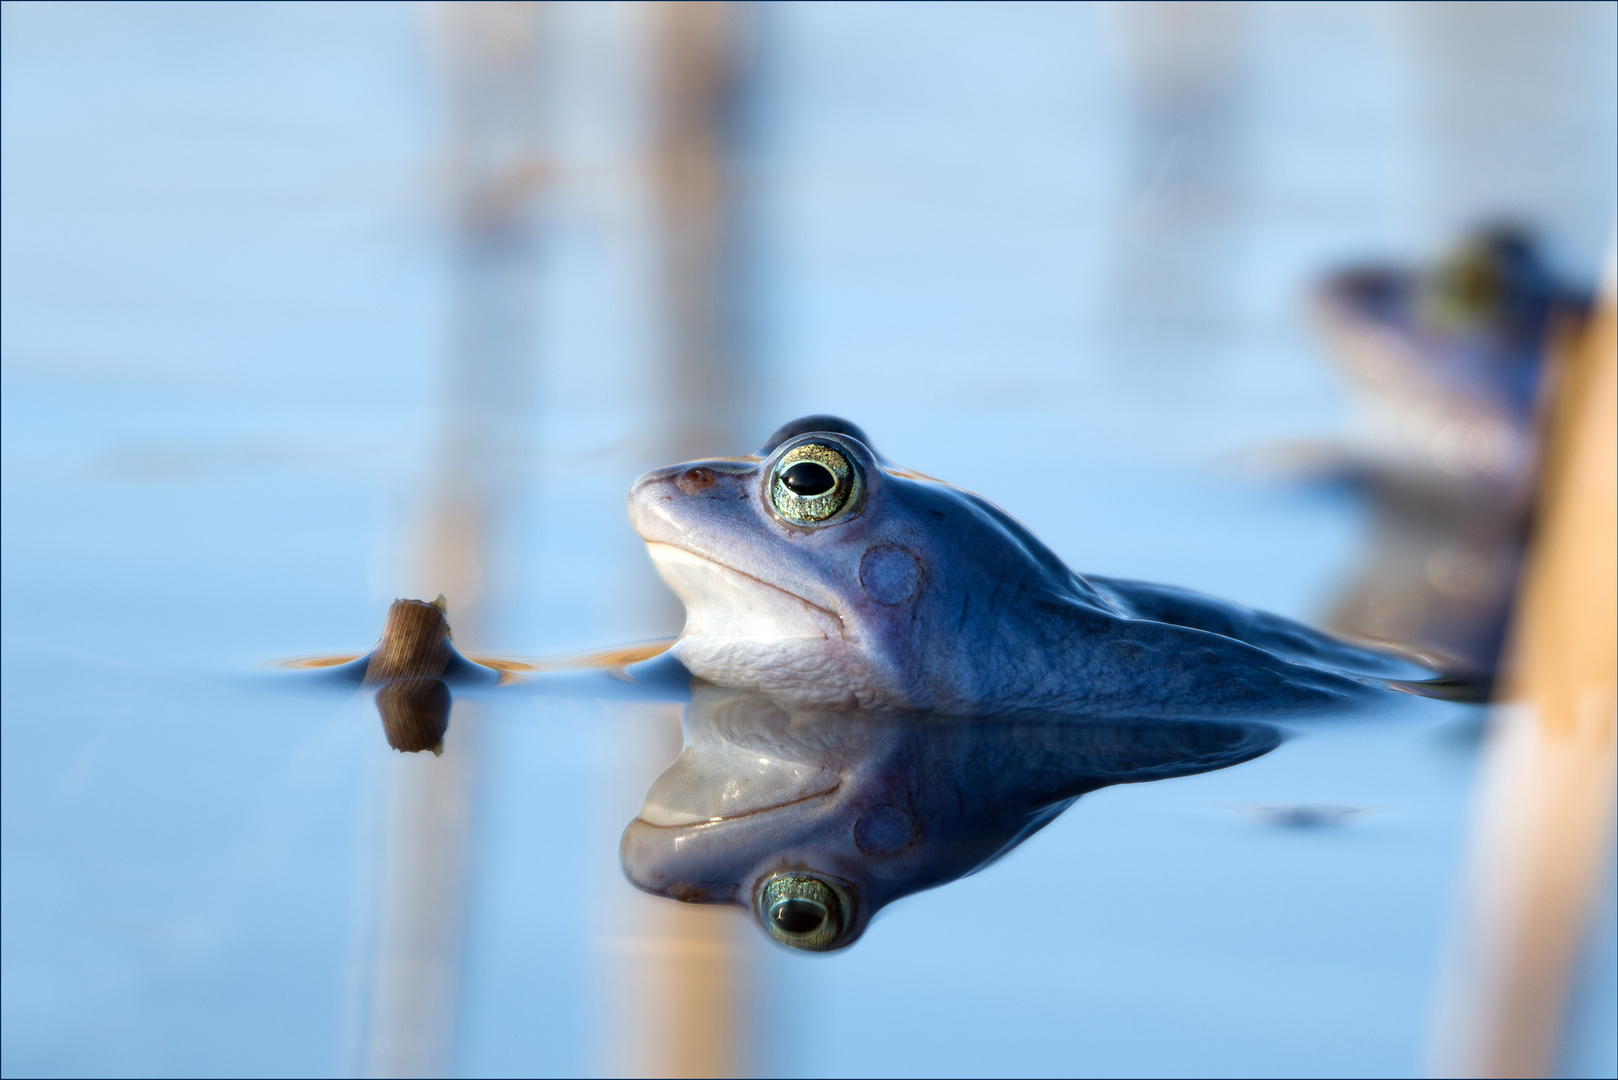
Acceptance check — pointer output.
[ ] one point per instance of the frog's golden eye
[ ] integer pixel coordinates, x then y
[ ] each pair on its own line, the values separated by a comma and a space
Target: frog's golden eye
802, 911
811, 482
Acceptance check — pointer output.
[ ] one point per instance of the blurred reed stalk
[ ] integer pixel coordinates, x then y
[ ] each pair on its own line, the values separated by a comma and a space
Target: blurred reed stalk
681, 983
1184, 75
692, 86
490, 60
1544, 822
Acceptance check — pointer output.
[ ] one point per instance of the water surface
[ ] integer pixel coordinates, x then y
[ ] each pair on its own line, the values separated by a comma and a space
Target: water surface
229, 279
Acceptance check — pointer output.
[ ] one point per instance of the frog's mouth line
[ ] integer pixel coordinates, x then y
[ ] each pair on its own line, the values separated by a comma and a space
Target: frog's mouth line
709, 823
653, 545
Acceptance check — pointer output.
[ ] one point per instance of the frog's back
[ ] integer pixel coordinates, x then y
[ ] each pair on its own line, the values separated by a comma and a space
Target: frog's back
1284, 637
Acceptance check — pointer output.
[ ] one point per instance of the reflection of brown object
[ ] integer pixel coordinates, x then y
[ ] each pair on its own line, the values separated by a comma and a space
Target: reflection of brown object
511, 667
1545, 813
327, 661
1438, 573
405, 666
415, 714
620, 656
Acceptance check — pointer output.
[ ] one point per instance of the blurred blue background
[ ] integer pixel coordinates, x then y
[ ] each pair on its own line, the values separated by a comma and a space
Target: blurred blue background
1055, 253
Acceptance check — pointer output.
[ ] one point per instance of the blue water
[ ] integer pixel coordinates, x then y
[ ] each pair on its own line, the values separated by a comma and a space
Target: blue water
226, 288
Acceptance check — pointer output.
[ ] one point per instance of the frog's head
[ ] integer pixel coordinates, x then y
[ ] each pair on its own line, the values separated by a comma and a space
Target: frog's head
814, 570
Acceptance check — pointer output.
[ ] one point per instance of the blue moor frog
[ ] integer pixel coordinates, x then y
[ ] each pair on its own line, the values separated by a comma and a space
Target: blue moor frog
819, 573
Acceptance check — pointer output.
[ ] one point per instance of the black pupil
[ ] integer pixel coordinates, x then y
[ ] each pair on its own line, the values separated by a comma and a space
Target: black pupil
799, 916
808, 478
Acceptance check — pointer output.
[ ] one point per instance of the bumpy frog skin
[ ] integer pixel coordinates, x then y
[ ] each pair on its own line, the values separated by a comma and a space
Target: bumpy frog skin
916, 595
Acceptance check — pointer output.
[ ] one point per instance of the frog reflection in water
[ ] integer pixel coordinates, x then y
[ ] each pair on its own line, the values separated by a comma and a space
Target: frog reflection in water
815, 819
916, 684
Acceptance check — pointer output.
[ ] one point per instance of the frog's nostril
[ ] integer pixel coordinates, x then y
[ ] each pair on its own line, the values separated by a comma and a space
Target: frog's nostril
694, 480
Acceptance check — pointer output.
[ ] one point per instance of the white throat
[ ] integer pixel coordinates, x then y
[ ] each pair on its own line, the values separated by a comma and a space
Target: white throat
742, 632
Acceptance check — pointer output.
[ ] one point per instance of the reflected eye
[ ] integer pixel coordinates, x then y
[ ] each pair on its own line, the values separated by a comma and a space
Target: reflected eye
802, 911
811, 483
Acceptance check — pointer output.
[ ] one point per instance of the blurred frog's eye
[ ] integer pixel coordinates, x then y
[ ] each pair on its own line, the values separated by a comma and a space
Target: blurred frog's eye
802, 911
811, 482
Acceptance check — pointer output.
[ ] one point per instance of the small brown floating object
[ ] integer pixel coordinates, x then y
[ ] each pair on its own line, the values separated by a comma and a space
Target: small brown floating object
415, 714
411, 668
415, 643
406, 666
